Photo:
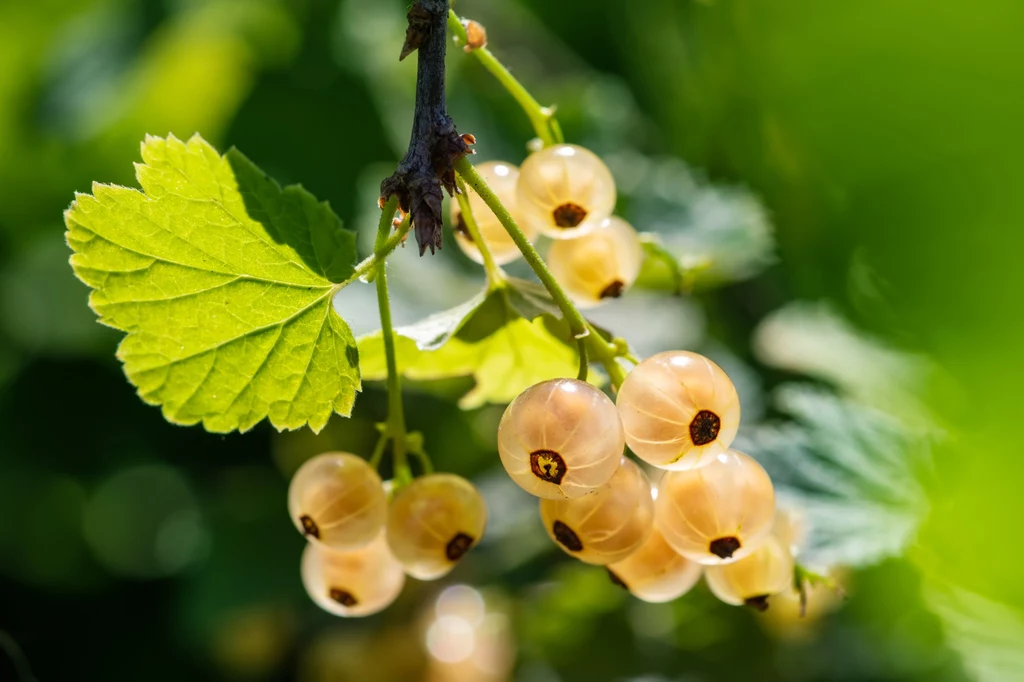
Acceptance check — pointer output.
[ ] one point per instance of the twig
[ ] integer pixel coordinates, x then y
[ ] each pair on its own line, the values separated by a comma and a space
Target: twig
435, 144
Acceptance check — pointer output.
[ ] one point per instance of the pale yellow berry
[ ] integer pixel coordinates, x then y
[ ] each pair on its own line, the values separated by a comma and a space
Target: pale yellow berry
565, 191
655, 572
598, 266
502, 178
755, 578
356, 583
719, 512
607, 525
433, 522
337, 499
679, 410
560, 439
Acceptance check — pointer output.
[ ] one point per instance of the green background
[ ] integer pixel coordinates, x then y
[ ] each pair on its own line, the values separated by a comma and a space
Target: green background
883, 138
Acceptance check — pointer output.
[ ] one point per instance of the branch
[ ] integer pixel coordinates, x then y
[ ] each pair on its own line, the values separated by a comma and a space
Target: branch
435, 143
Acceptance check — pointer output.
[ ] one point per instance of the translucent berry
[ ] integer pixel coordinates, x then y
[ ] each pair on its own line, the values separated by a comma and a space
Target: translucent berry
719, 512
655, 572
338, 499
433, 522
607, 525
356, 583
560, 439
502, 178
678, 409
565, 191
600, 265
755, 578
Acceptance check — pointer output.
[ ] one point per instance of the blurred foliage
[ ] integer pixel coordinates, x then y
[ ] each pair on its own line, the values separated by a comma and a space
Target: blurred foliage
865, 154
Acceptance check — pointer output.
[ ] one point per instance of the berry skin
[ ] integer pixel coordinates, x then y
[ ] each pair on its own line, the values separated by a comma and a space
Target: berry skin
357, 583
655, 572
679, 410
502, 178
433, 522
600, 265
718, 513
607, 525
755, 578
565, 191
337, 499
560, 439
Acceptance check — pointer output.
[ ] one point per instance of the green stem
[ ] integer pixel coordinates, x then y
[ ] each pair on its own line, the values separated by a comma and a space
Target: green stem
395, 429
368, 265
655, 249
593, 343
542, 118
495, 276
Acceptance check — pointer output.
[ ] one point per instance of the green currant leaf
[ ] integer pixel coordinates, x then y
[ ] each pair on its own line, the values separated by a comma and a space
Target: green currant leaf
224, 283
502, 338
850, 471
709, 236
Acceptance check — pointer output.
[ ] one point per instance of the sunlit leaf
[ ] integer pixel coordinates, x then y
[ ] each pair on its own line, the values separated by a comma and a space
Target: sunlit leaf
504, 339
223, 281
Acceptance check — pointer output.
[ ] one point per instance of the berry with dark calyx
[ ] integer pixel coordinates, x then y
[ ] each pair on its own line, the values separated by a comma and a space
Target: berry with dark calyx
337, 499
565, 191
608, 524
560, 439
433, 522
355, 583
599, 265
679, 410
716, 513
752, 580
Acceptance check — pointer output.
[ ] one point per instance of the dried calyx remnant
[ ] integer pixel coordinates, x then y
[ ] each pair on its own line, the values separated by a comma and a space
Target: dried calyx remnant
548, 465
724, 548
458, 546
309, 526
566, 536
343, 597
435, 143
704, 427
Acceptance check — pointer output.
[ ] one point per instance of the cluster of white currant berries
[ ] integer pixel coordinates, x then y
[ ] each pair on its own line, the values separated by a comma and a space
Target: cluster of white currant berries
713, 510
362, 544
567, 193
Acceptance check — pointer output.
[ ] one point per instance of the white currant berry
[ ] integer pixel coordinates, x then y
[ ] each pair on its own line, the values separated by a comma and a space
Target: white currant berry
433, 522
719, 512
565, 191
337, 499
560, 439
600, 265
502, 178
755, 578
607, 525
355, 583
655, 572
679, 410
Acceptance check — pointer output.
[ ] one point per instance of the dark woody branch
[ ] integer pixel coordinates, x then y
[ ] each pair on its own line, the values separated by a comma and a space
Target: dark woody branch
435, 143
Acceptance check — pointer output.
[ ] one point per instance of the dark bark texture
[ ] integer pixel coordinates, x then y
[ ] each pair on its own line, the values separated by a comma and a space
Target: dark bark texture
435, 143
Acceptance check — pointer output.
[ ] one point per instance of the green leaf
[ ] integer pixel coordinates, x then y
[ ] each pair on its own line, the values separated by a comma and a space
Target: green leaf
851, 471
503, 338
714, 235
224, 283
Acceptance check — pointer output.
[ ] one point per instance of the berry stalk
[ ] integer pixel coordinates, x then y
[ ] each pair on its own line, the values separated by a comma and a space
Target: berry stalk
542, 118
590, 341
495, 276
395, 429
